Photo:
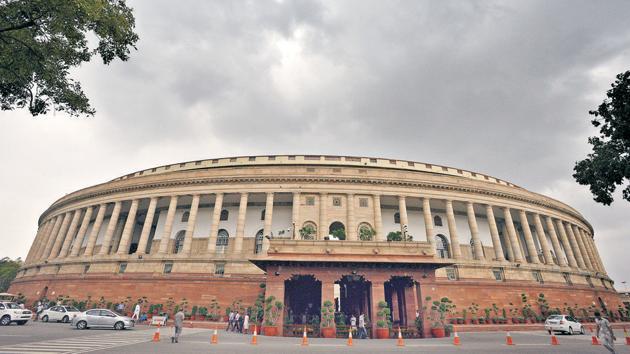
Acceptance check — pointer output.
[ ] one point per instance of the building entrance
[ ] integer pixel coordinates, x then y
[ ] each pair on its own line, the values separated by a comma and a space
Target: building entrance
352, 297
399, 293
302, 299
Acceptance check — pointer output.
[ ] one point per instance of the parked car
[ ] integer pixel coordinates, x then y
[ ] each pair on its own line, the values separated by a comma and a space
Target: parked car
564, 324
12, 312
59, 314
101, 318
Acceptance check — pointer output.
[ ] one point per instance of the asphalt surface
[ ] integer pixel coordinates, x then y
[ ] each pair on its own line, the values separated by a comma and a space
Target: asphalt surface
49, 338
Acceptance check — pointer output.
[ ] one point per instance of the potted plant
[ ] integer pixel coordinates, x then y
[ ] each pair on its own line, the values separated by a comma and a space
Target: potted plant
273, 310
439, 309
193, 313
383, 322
328, 320
257, 313
202, 312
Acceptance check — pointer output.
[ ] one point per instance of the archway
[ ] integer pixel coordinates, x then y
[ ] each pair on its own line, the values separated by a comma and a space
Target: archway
258, 241
178, 245
353, 297
398, 290
338, 230
302, 300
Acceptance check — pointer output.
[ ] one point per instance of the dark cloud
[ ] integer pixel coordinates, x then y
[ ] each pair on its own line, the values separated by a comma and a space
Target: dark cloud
498, 87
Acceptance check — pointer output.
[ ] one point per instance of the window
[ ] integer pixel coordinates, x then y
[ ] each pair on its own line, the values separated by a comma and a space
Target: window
366, 232
233, 159
363, 202
451, 273
185, 216
179, 242
252, 158
441, 246
538, 276
589, 281
437, 221
567, 278
258, 242
396, 218
224, 215
168, 268
122, 267
262, 214
336, 170
498, 273
182, 164
86, 268
308, 230
310, 200
223, 239
310, 169
219, 269
336, 201
93, 312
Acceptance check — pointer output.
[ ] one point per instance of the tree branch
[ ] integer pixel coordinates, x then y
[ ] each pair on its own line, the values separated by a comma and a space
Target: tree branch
18, 27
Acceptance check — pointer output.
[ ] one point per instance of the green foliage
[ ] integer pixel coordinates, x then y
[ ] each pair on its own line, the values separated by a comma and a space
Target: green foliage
339, 233
194, 310
366, 233
8, 271
606, 167
41, 40
397, 236
214, 312
273, 310
203, 311
258, 310
383, 315
328, 314
307, 232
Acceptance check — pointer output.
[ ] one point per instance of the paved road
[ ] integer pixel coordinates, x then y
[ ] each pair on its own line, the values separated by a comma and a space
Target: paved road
50, 338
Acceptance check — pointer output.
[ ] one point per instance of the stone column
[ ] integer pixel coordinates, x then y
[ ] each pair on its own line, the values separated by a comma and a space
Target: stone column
561, 259
89, 247
240, 223
146, 226
35, 244
591, 241
452, 230
574, 246
190, 227
323, 215
51, 237
542, 238
268, 221
404, 220
581, 247
61, 235
565, 244
474, 231
123, 245
378, 218
509, 223
74, 224
76, 247
529, 239
428, 222
589, 250
351, 232
111, 227
168, 225
216, 219
494, 233
295, 215
508, 243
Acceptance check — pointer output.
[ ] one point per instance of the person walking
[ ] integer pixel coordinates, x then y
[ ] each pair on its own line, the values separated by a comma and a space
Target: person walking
605, 332
179, 324
362, 330
230, 321
237, 318
40, 309
245, 328
136, 312
353, 324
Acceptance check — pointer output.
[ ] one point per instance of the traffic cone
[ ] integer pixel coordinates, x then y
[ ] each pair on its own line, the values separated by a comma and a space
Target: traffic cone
400, 342
215, 337
594, 340
255, 337
350, 337
508, 339
456, 340
304, 338
625, 333
554, 339
156, 335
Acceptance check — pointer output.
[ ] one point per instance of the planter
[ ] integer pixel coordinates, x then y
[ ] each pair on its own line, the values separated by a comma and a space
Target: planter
437, 332
251, 328
271, 331
382, 333
328, 332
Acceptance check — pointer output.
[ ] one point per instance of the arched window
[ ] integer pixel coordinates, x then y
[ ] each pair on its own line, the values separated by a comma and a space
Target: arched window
258, 242
441, 246
223, 238
179, 242
437, 221
185, 216
308, 230
338, 230
366, 232
262, 214
396, 218
224, 215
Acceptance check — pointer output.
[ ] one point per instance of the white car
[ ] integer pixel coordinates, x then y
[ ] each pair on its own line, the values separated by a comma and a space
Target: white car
564, 324
12, 312
63, 314
102, 318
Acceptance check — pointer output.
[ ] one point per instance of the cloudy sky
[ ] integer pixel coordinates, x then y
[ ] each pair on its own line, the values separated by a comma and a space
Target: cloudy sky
496, 87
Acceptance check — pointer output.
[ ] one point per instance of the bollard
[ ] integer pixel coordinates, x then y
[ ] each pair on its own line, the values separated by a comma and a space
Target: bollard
400, 342
215, 337
508, 339
304, 338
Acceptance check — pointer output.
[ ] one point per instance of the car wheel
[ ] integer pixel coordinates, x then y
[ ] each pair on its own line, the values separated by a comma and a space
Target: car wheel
549, 332
5, 321
81, 325
45, 318
65, 319
119, 326
582, 330
21, 323
570, 331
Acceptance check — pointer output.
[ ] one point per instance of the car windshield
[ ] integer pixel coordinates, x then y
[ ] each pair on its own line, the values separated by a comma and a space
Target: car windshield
72, 309
117, 314
555, 317
12, 306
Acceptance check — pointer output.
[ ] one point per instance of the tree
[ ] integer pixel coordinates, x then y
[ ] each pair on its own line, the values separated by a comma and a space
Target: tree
397, 236
8, 271
41, 40
608, 165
